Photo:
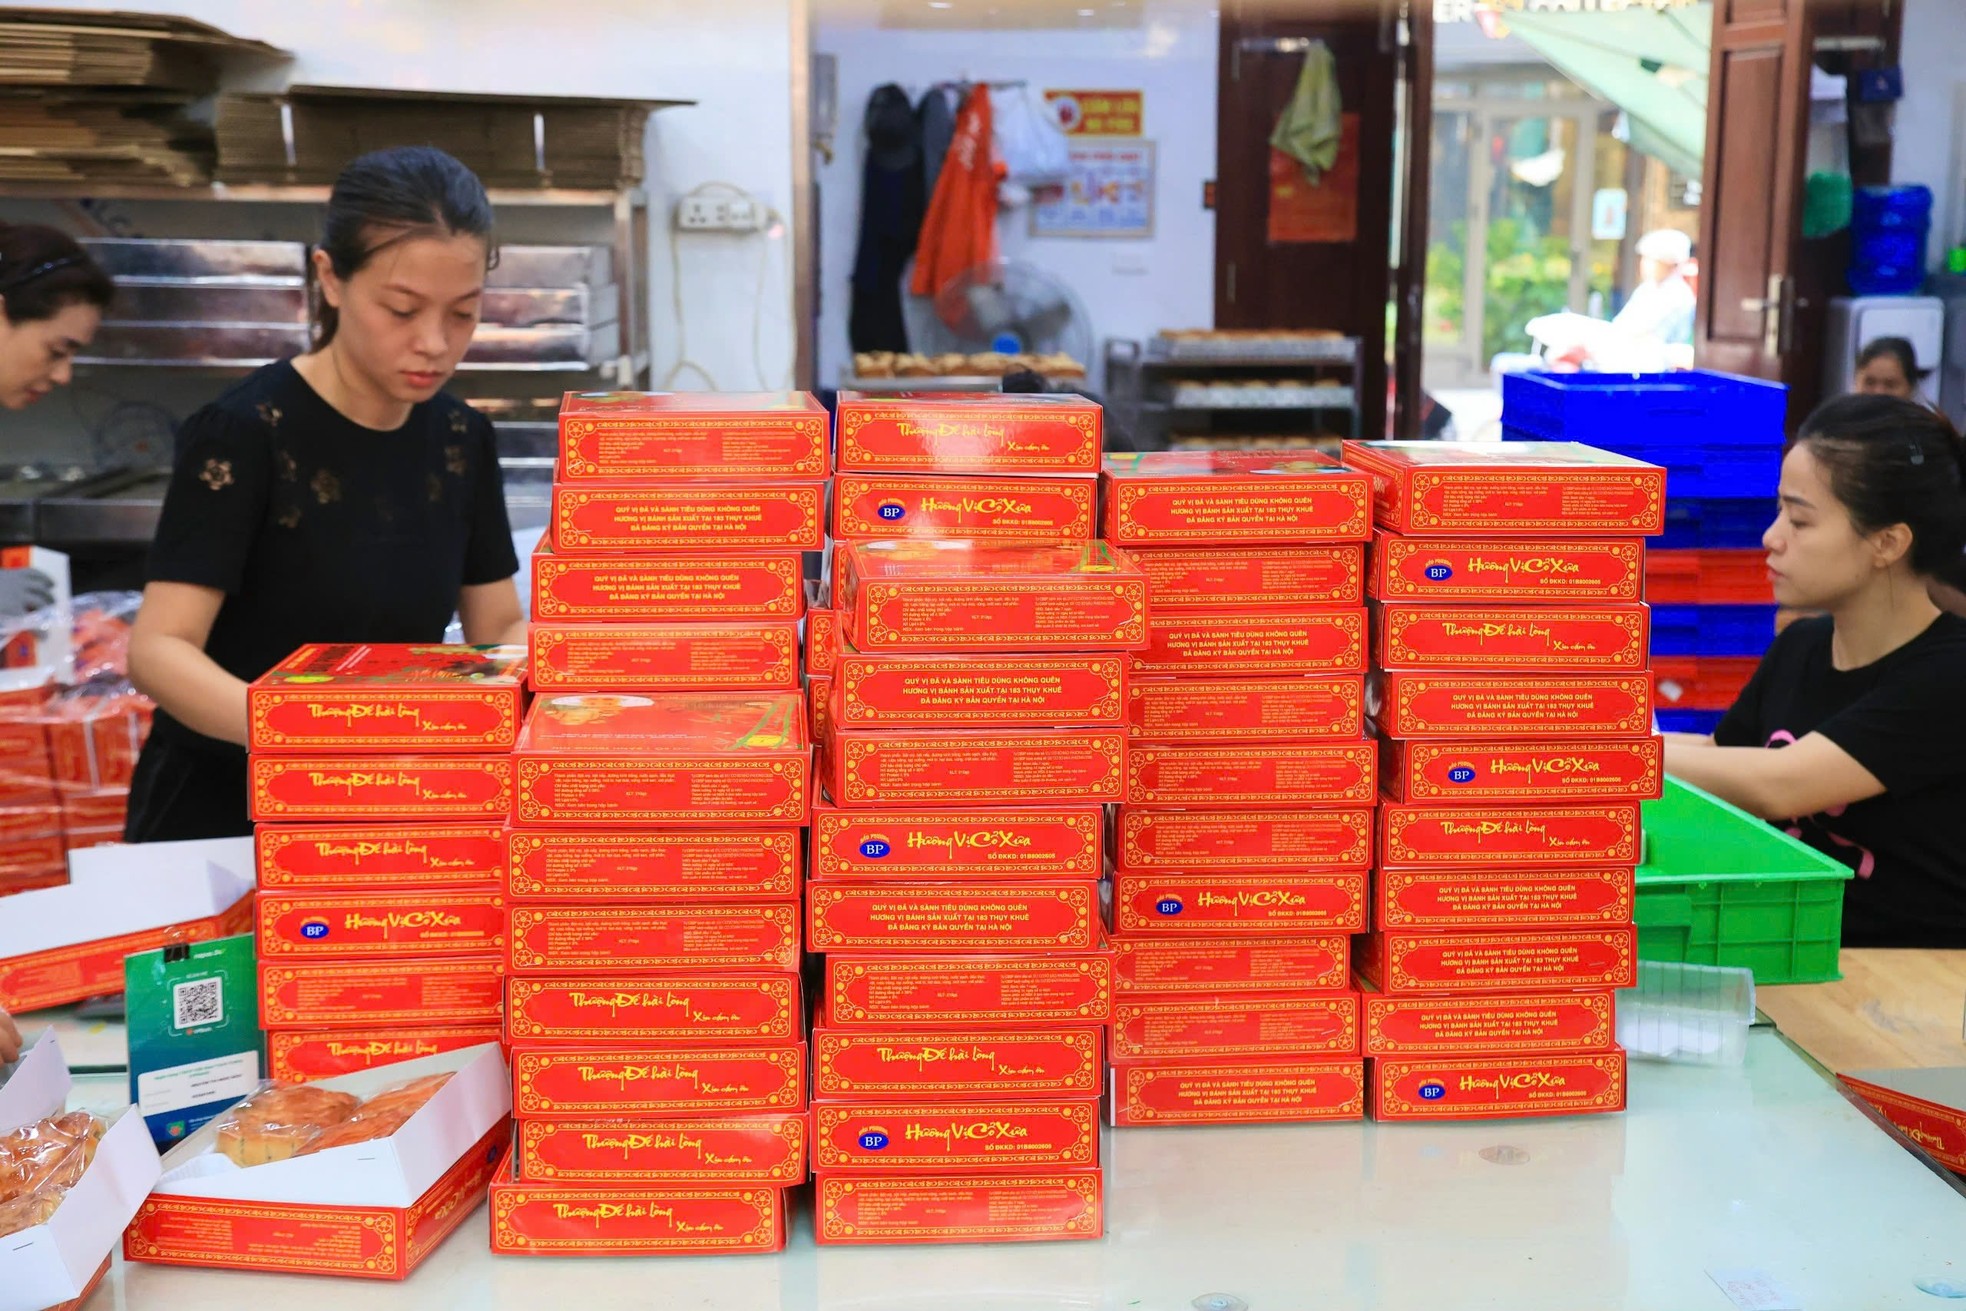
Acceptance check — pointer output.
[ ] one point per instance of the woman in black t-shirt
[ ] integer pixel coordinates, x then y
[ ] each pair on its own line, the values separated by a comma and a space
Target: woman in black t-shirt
1867, 702
336, 497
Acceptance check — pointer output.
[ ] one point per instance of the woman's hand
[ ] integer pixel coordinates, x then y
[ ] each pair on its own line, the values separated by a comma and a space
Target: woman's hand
168, 663
9, 1039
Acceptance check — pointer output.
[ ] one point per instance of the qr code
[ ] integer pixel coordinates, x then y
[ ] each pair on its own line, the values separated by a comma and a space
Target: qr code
197, 1002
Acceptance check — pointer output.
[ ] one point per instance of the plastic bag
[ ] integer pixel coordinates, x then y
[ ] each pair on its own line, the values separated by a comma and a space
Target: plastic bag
379, 1116
1027, 139
40, 1162
279, 1121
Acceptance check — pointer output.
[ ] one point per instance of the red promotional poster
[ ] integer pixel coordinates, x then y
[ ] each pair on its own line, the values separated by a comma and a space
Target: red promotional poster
971, 916
1040, 842
618, 940
1153, 838
1510, 769
1205, 967
1550, 836
1294, 774
1011, 1207
977, 767
1459, 705
1487, 489
1177, 709
1240, 578
411, 857
1241, 644
884, 1137
956, 1062
954, 691
1473, 1026
1502, 895
955, 433
934, 595
1306, 1025
868, 507
748, 864
671, 435
1506, 569
654, 587
1262, 1090
358, 697
681, 516
969, 990
1282, 903
633, 1081
761, 654
1558, 638
1232, 498
1496, 1086
1400, 961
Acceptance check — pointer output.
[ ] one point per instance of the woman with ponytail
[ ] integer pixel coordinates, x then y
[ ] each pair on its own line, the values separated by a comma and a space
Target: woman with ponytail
337, 497
1850, 733
52, 296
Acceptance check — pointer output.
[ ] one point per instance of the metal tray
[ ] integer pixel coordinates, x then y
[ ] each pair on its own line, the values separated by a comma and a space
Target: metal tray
231, 300
186, 345
497, 347
531, 307
552, 266
161, 257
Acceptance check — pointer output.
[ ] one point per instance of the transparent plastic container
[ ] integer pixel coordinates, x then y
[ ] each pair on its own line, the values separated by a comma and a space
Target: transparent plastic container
1687, 1014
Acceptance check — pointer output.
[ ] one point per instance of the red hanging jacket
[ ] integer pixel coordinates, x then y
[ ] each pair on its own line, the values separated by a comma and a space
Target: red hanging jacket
960, 231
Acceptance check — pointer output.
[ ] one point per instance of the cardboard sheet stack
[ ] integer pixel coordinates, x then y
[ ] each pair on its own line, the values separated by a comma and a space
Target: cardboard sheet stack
381, 777
1512, 695
1241, 856
972, 735
664, 777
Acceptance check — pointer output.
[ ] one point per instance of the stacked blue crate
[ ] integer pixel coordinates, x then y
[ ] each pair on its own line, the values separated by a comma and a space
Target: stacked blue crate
1719, 437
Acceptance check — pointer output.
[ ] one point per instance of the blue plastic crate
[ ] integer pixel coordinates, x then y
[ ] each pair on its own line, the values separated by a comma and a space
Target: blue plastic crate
1689, 721
1717, 524
1709, 471
1712, 630
1671, 409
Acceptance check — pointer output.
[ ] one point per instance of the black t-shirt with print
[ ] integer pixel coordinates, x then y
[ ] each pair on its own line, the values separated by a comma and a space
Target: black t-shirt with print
320, 530
1903, 718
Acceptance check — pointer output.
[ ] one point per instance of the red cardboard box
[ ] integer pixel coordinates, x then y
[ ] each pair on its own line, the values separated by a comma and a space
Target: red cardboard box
681, 516
1480, 1026
1260, 1091
1154, 839
1401, 961
415, 857
362, 698
529, 1219
883, 507
741, 1149
953, 691
338, 788
653, 586
610, 940
1923, 1105
1221, 644
819, 707
957, 1063
1501, 895
977, 767
897, 843
1304, 1025
1506, 569
303, 1056
359, 1242
29, 823
37, 980
1293, 774
669, 435
1251, 577
1014, 1207
1232, 498
365, 995
953, 433
1500, 1086
33, 854
751, 864
930, 595
1210, 709
881, 1137
384, 924
1018, 915
670, 758
1459, 705
1551, 836
1208, 967
1281, 903
822, 640
632, 1083
1476, 489
1508, 769
1543, 637
760, 654
964, 991
752, 1006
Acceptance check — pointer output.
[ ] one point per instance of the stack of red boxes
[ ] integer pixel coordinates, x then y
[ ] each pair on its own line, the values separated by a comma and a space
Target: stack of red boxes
973, 736
381, 778
1512, 695
65, 765
1241, 857
663, 778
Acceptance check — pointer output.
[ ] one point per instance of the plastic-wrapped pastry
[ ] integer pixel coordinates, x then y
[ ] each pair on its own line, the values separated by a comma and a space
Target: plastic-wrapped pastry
40, 1162
276, 1122
380, 1116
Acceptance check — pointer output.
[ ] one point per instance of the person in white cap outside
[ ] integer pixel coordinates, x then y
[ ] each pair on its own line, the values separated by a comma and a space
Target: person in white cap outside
1661, 307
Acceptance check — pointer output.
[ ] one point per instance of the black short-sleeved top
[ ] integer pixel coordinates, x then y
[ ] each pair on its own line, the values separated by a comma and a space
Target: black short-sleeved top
1903, 718
320, 530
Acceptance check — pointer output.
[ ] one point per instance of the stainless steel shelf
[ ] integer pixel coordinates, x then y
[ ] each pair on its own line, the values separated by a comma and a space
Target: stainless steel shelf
293, 194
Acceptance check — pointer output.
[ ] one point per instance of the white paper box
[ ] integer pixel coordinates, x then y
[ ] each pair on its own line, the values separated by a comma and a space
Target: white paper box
52, 1263
386, 1172
120, 890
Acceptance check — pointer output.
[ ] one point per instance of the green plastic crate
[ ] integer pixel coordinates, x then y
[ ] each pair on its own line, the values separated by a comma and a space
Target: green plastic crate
1720, 887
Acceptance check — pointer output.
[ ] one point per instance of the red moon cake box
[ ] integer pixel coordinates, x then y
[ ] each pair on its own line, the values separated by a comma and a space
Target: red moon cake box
884, 1137
384, 924
1254, 1090
985, 433
1516, 638
1209, 644
671, 758
1206, 967
879, 507
1282, 775
745, 1006
626, 865
1232, 498
1158, 838
874, 989
1496, 1086
893, 690
972, 916
1281, 903
822, 635
1177, 709
1523, 770
1242, 577
1502, 895
340, 789
1552, 836
982, 767
1506, 569
627, 435
1555, 1021
1485, 489
682, 516
658, 586
362, 697
909, 843
410, 857
1399, 961
750, 655
1021, 1206
684, 1149
957, 1062
928, 594
1447, 703
566, 938
636, 1080
1306, 1025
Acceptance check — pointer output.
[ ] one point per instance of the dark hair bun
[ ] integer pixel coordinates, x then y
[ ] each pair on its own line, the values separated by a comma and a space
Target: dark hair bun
1890, 461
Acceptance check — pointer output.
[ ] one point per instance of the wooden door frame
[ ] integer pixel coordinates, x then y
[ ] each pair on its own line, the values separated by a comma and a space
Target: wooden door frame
1414, 178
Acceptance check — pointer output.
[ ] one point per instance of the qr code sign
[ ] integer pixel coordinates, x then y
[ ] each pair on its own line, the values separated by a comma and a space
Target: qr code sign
197, 1002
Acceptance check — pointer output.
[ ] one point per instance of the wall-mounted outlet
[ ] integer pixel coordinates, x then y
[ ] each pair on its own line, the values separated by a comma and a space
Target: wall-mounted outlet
719, 213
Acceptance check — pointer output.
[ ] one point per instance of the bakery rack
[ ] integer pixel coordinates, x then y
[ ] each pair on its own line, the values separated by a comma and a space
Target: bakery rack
1235, 388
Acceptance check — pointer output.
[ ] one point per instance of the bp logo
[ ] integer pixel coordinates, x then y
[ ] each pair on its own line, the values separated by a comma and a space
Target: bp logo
1432, 1092
874, 1140
1461, 774
1169, 906
1439, 571
892, 511
314, 930
876, 848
